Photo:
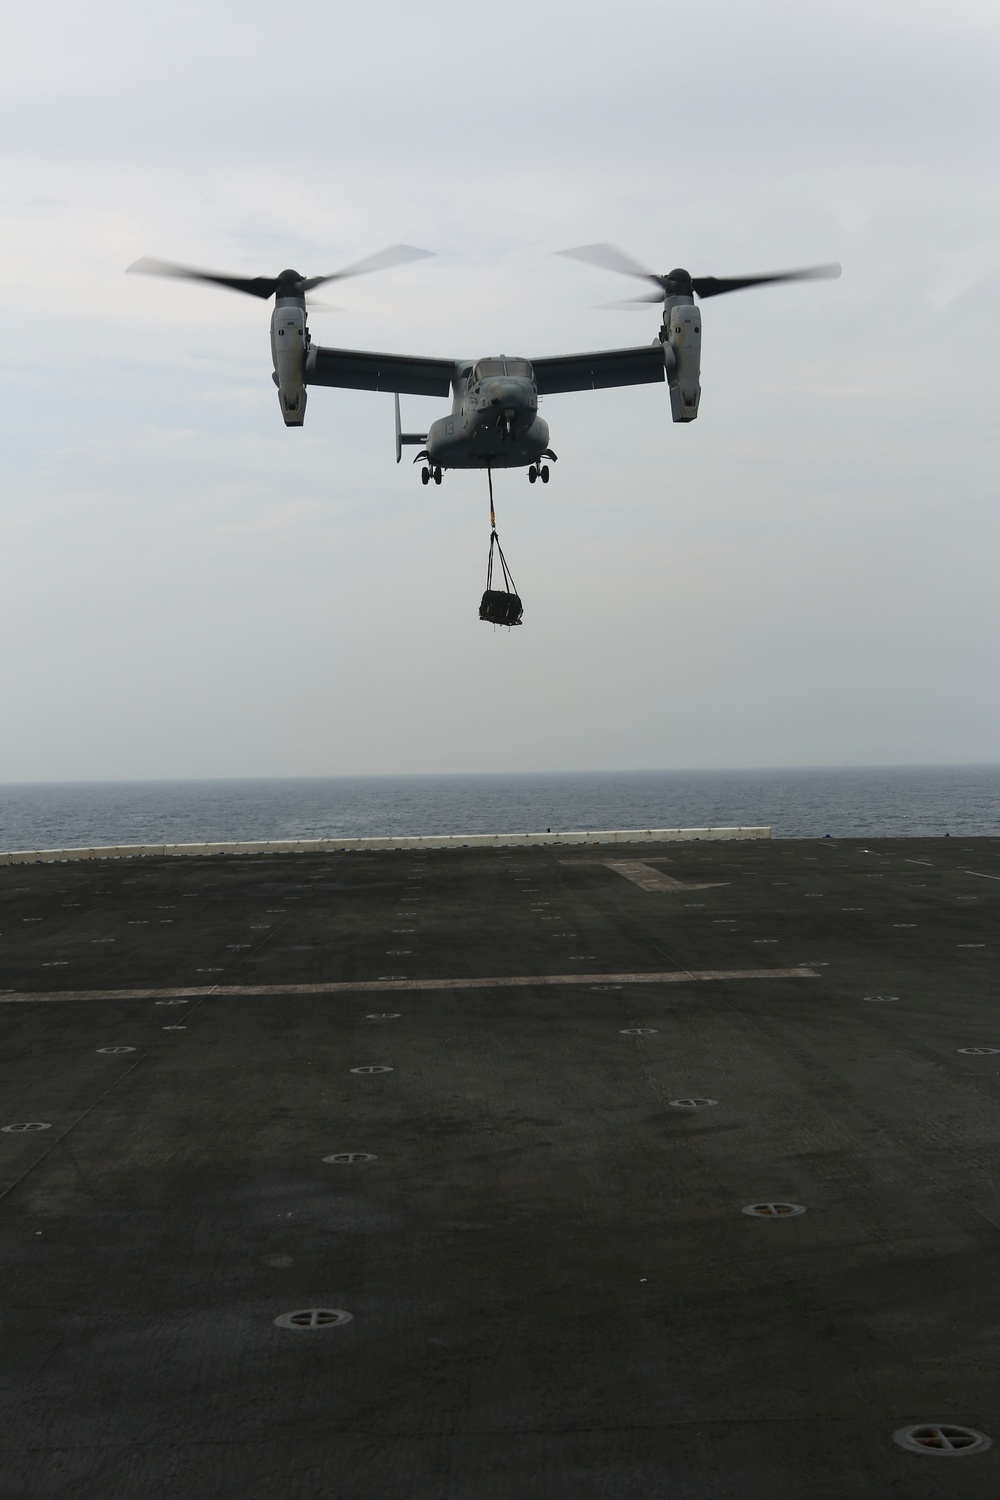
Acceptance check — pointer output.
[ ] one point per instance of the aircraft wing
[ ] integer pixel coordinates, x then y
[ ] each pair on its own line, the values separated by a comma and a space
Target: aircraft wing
360, 370
591, 372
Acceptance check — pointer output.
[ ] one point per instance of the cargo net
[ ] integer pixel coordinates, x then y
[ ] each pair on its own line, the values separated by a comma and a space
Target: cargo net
500, 606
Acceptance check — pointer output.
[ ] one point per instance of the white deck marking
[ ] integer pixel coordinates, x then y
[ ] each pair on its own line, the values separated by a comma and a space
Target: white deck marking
565, 837
644, 875
980, 874
513, 982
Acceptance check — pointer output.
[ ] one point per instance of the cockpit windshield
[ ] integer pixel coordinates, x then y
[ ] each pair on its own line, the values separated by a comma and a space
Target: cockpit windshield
487, 367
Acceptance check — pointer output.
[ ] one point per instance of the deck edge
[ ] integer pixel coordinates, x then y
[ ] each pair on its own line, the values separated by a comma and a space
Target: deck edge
386, 842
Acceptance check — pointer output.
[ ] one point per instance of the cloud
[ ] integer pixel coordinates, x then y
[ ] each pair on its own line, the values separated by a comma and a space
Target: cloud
192, 589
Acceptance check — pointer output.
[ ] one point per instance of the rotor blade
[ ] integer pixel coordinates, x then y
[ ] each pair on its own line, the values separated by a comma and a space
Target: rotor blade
254, 286
382, 260
316, 306
609, 258
636, 304
714, 286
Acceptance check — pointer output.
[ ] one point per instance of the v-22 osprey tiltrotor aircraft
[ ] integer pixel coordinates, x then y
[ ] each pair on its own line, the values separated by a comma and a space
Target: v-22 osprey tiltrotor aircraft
494, 421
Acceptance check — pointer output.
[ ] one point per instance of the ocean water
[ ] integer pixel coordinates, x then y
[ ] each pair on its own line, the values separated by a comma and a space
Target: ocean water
881, 801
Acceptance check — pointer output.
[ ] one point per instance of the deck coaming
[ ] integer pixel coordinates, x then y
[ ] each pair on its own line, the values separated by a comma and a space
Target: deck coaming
554, 1290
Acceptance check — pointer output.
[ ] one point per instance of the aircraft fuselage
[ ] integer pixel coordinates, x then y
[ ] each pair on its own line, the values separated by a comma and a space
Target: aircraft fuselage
494, 423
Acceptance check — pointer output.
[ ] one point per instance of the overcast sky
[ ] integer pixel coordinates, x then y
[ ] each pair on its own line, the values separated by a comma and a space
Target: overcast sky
807, 575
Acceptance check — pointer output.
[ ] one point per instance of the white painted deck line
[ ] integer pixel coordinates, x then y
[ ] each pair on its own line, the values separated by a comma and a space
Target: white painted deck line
350, 846
644, 875
365, 986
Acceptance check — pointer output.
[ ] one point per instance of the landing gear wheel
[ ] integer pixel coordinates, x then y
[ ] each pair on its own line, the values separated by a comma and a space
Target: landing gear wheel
437, 476
532, 474
544, 472
425, 475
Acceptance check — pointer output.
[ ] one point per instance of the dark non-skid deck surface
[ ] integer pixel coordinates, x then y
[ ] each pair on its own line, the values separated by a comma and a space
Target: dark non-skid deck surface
554, 1290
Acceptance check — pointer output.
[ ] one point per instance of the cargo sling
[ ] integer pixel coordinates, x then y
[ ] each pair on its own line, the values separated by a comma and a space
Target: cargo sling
499, 606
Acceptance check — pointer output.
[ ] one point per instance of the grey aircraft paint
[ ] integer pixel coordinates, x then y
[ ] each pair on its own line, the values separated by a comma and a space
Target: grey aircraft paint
494, 421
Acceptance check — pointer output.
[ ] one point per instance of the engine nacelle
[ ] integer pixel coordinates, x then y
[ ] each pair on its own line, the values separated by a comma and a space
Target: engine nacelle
682, 357
289, 341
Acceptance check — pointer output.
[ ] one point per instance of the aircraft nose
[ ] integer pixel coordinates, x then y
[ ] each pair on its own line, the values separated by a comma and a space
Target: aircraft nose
509, 393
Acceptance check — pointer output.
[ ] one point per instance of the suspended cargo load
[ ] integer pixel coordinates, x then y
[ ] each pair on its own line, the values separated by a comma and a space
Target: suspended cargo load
500, 606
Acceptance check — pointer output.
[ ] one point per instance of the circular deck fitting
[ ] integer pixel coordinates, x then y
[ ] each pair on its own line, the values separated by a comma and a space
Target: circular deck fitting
979, 1051
773, 1210
880, 999
116, 1049
638, 1031
384, 1015
314, 1317
693, 1104
25, 1126
349, 1158
372, 1068
944, 1439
